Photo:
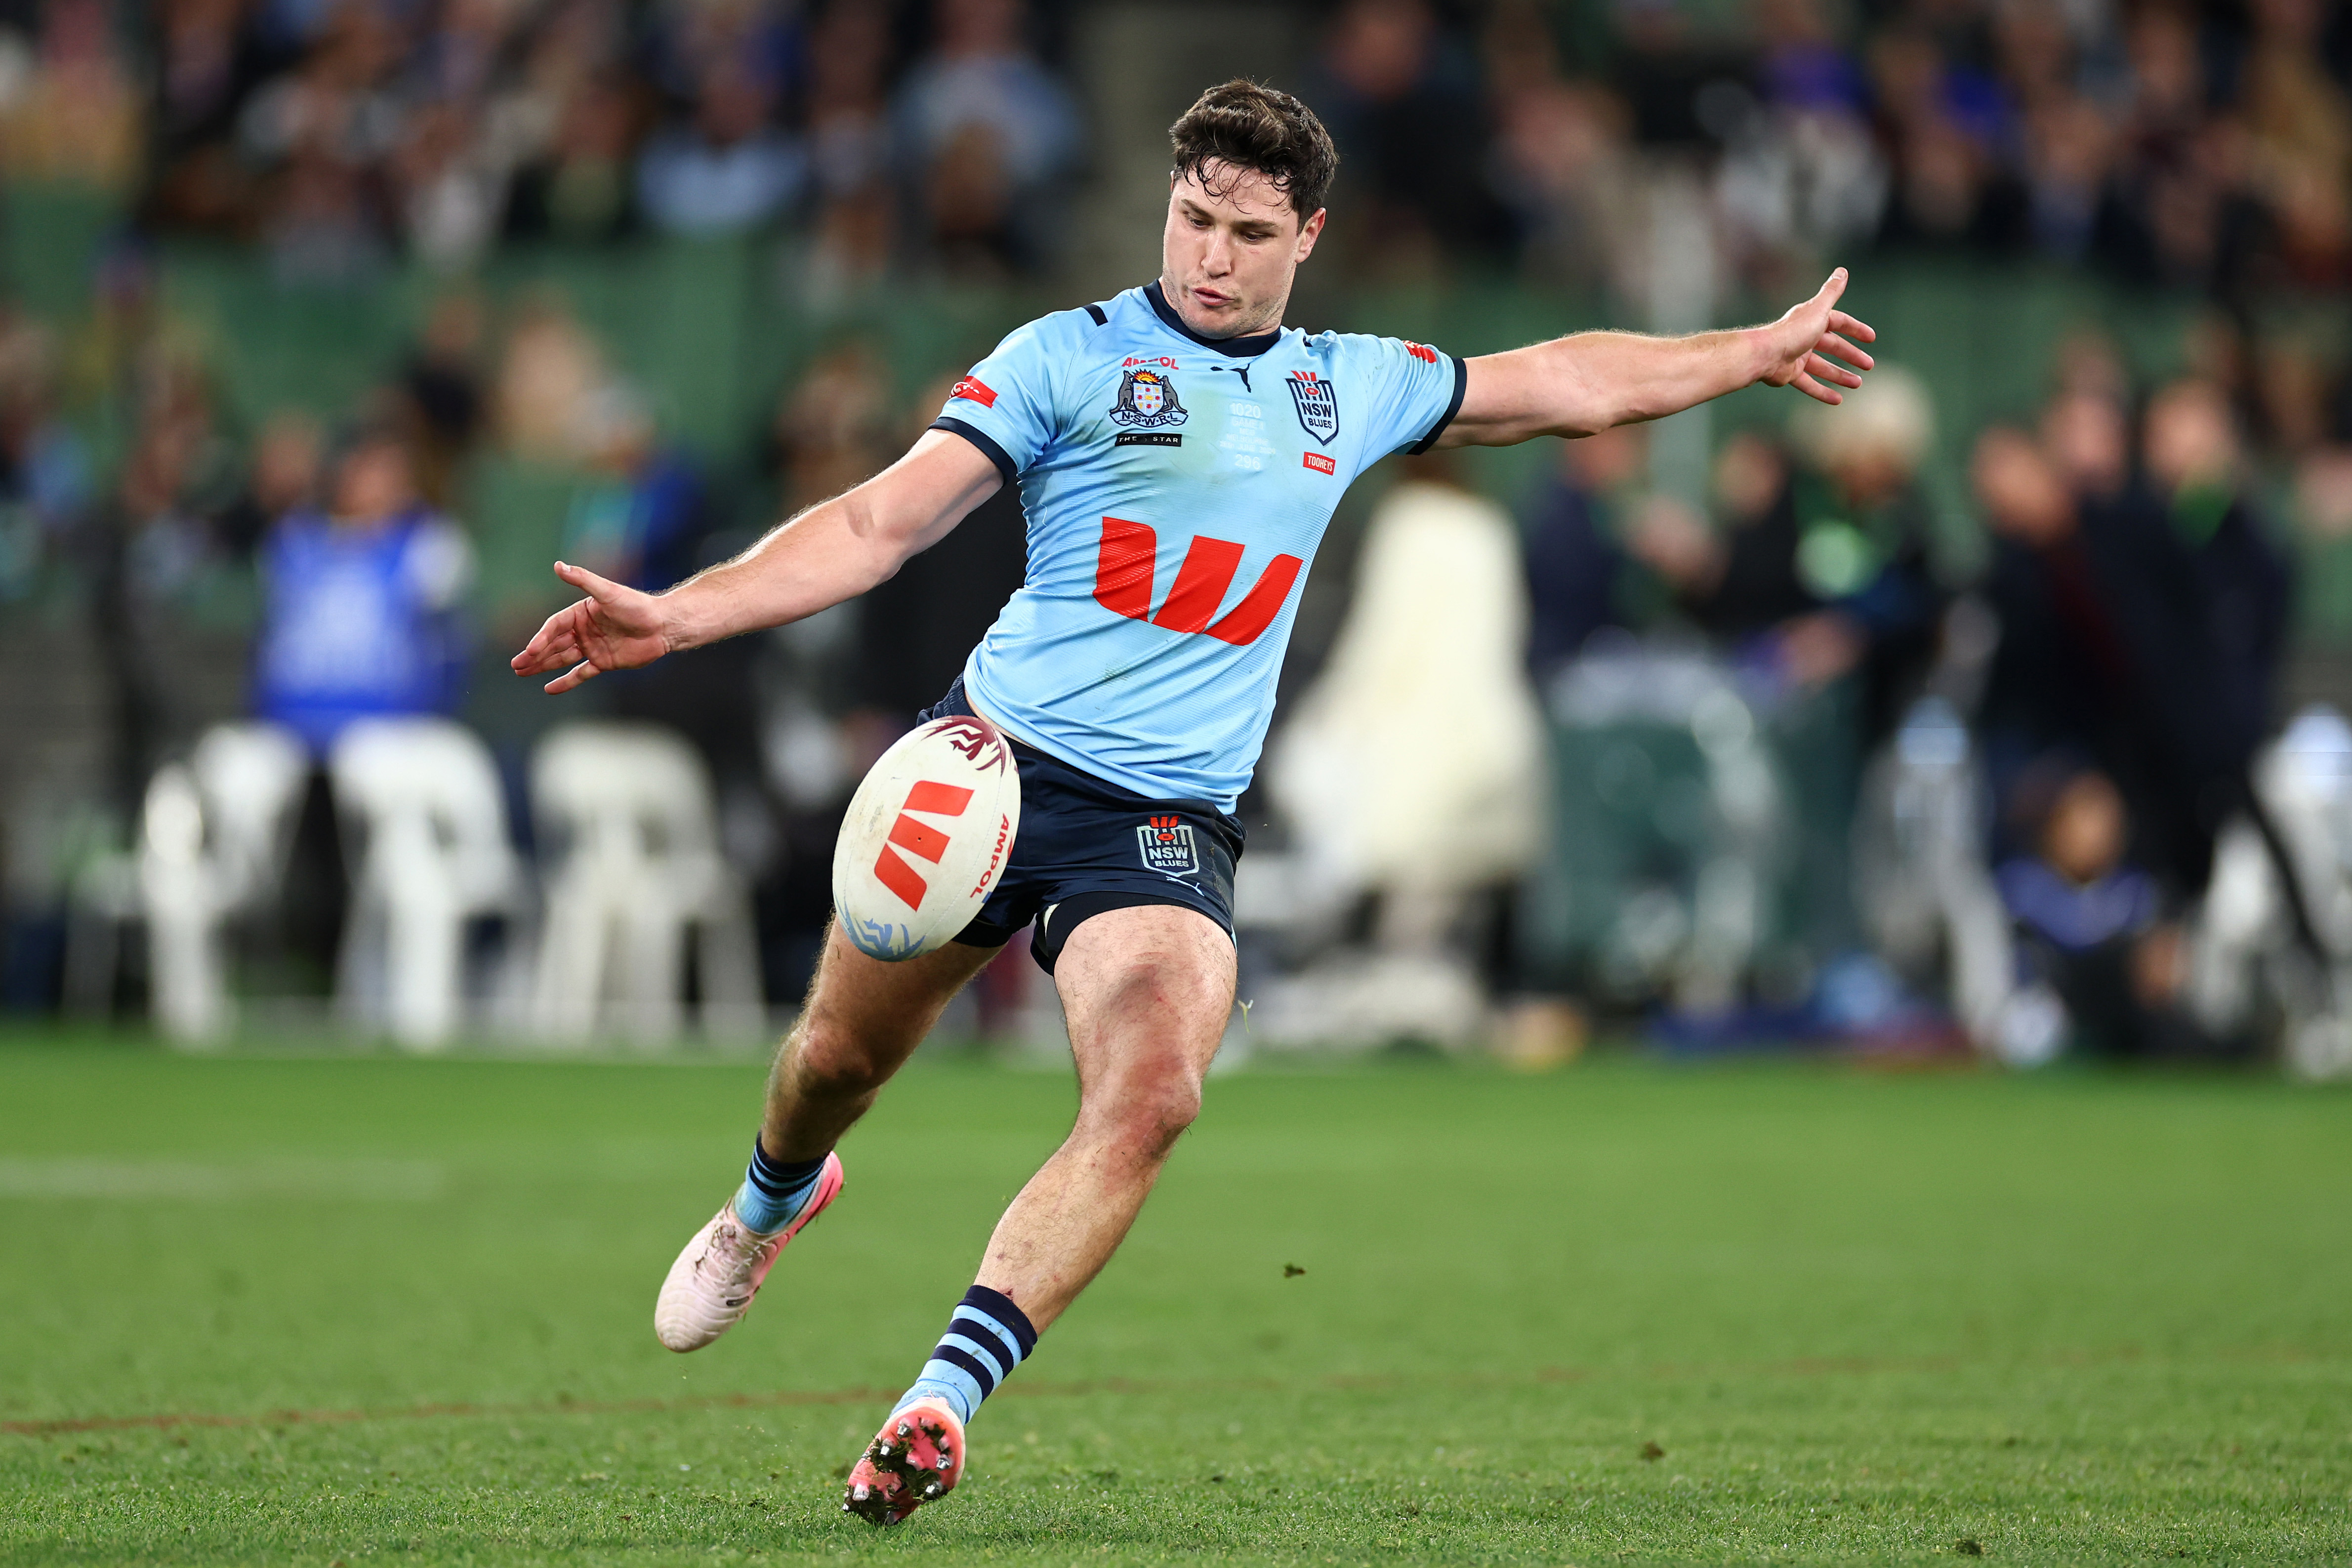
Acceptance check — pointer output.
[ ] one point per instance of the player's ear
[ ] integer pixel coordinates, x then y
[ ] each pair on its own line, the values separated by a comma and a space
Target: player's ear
1308, 232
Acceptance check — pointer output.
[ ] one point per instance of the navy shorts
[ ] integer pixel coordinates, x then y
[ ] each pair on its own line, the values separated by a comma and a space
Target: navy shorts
1086, 846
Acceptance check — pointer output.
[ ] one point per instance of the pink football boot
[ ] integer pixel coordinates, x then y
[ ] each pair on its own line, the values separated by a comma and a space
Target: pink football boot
917, 1458
712, 1285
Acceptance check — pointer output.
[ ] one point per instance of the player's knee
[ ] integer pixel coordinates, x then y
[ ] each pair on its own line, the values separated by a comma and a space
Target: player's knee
1148, 1109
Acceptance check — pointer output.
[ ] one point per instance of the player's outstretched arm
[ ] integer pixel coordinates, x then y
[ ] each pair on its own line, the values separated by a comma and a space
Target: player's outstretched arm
836, 550
1577, 385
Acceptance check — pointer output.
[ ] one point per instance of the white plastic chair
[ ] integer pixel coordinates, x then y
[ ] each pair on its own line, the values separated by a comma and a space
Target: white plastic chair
215, 832
631, 812
422, 798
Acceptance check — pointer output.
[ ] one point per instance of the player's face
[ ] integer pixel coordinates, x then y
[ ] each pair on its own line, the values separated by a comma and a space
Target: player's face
1231, 247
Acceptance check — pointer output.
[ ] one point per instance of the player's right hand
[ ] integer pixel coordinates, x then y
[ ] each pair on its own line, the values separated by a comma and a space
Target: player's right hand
612, 628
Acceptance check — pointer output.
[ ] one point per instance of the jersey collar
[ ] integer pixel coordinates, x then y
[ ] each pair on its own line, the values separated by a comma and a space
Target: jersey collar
1236, 348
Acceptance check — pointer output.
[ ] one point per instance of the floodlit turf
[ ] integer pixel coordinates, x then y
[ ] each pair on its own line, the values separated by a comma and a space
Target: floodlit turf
320, 1310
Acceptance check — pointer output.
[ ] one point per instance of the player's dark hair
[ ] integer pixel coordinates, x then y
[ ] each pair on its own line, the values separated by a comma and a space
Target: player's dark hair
1245, 125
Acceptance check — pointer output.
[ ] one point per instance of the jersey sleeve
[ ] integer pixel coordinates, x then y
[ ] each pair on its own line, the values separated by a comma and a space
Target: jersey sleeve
1415, 392
1004, 404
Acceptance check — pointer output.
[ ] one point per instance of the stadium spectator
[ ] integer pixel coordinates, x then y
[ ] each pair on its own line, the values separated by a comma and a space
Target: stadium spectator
1802, 173
208, 59
582, 187
74, 113
289, 456
2111, 650
449, 184
439, 392
320, 134
45, 477
2198, 471
643, 517
547, 371
1864, 551
363, 601
2089, 923
831, 430
1562, 161
726, 168
1400, 95
983, 129
1822, 569
849, 150
1580, 578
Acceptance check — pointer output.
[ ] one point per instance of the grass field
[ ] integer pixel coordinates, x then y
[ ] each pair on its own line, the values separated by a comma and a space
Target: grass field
343, 1311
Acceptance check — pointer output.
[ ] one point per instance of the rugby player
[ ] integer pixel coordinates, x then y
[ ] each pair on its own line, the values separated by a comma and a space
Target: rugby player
1179, 452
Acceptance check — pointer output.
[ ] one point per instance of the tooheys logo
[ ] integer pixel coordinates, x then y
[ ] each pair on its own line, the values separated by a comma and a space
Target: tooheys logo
1123, 574
919, 839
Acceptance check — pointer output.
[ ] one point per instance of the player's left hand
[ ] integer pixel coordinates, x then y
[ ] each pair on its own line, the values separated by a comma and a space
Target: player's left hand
1807, 348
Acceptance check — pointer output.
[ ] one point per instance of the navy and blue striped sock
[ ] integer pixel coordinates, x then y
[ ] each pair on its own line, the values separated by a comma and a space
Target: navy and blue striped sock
773, 1191
987, 1336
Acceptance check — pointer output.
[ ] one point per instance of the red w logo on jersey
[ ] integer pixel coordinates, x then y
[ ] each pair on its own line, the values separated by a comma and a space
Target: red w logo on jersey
1421, 351
1123, 583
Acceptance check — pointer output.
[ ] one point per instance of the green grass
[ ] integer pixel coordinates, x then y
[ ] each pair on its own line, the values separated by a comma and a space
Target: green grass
380, 1310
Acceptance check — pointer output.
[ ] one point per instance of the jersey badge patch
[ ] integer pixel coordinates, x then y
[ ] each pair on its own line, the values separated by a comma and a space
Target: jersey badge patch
1320, 463
1167, 844
1318, 404
979, 391
1147, 400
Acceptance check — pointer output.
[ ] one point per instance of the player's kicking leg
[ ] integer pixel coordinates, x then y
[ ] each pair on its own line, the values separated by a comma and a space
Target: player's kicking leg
862, 1021
1147, 990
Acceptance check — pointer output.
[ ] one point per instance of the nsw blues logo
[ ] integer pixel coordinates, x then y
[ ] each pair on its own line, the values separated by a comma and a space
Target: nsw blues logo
1167, 849
1147, 400
1318, 404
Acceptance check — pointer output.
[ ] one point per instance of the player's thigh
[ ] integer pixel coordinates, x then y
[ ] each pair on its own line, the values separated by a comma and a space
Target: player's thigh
1146, 991
862, 1012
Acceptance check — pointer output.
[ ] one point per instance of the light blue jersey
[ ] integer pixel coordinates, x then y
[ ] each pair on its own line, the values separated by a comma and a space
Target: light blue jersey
1175, 488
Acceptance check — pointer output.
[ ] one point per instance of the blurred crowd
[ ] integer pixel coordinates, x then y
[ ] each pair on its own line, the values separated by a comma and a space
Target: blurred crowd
2110, 668
2200, 145
2204, 146
339, 134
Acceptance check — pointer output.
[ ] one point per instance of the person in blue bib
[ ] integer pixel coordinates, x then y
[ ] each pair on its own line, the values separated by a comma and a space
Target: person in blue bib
1179, 452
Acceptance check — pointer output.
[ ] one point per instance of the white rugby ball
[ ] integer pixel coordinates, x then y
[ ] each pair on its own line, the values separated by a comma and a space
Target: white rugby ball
927, 839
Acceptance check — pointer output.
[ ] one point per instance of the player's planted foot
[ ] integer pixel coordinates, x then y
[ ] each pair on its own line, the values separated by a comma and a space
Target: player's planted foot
710, 1286
917, 1458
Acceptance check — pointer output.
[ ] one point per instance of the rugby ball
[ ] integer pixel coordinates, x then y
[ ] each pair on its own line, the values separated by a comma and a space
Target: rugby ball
927, 839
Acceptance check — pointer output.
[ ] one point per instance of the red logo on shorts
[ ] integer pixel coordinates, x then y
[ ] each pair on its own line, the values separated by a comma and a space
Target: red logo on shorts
916, 839
977, 390
1321, 464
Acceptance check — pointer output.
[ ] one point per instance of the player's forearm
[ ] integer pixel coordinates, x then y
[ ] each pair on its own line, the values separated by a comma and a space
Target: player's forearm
1583, 385
1657, 376
1622, 378
834, 551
